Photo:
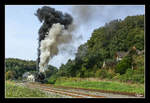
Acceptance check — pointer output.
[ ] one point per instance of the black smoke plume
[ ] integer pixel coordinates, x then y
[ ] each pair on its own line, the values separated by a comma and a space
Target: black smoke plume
49, 16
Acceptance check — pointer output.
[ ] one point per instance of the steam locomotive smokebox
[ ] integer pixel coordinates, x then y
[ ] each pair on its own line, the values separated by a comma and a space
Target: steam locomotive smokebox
40, 77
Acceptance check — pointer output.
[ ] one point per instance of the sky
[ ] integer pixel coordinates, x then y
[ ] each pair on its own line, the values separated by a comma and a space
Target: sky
21, 27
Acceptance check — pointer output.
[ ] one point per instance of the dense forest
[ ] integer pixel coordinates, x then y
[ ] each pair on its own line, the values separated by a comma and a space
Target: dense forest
97, 57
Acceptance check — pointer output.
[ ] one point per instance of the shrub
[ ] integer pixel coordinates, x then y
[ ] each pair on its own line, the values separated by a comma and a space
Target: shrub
89, 73
10, 75
117, 76
61, 79
122, 78
132, 76
138, 78
86, 74
127, 76
78, 74
52, 79
123, 65
102, 73
139, 75
110, 74
97, 74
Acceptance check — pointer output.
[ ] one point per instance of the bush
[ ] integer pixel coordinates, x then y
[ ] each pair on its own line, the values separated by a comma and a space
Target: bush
123, 65
128, 75
132, 76
139, 75
102, 73
86, 74
89, 73
78, 74
117, 76
10, 75
138, 78
52, 79
110, 74
97, 74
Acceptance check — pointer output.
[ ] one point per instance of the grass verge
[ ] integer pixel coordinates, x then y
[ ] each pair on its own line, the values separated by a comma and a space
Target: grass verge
13, 91
101, 85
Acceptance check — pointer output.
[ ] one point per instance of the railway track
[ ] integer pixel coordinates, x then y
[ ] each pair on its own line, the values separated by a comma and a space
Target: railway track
61, 91
94, 90
73, 92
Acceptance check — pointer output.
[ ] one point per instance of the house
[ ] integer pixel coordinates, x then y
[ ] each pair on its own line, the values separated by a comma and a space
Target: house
120, 55
108, 63
31, 78
25, 75
28, 77
140, 52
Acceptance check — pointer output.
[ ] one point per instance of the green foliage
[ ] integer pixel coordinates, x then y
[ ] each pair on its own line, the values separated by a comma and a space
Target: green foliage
78, 74
123, 65
101, 73
97, 74
139, 75
52, 79
138, 78
116, 76
134, 76
51, 71
10, 74
104, 73
15, 68
127, 77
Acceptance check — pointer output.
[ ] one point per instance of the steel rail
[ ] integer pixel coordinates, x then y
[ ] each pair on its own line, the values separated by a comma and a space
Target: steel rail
66, 91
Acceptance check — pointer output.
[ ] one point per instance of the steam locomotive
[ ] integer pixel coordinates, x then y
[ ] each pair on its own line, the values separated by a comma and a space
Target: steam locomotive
40, 77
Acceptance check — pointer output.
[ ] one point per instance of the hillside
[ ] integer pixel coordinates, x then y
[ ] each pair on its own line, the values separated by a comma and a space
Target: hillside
15, 68
116, 36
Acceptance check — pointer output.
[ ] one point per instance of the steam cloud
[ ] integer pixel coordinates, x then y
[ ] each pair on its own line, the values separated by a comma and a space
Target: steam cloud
84, 13
56, 30
49, 46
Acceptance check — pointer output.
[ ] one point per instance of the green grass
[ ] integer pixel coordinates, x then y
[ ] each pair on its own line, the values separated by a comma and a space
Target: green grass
102, 85
13, 90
